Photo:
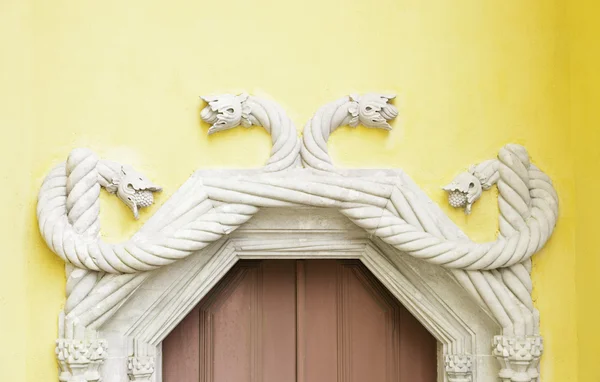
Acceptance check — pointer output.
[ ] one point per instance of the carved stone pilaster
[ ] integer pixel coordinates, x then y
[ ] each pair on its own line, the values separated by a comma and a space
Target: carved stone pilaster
459, 367
140, 368
80, 360
519, 357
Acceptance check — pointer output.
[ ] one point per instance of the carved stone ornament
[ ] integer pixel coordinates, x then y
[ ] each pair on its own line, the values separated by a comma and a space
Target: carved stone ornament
475, 298
140, 368
519, 357
459, 368
79, 360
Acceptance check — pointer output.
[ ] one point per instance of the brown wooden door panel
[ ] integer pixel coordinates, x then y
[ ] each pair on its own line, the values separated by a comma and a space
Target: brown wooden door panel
317, 321
305, 321
279, 321
228, 330
370, 317
418, 350
351, 325
248, 325
181, 351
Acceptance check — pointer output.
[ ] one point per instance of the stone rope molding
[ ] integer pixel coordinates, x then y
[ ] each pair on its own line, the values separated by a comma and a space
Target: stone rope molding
68, 213
227, 111
370, 110
497, 274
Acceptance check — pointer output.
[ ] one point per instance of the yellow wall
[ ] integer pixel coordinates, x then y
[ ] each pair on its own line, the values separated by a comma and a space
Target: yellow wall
585, 122
123, 78
16, 230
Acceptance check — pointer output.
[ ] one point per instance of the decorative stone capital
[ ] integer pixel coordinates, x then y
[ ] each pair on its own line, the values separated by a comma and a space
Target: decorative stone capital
79, 360
519, 357
459, 367
140, 368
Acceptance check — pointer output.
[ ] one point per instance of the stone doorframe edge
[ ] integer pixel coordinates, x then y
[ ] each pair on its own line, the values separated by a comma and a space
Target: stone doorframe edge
161, 319
397, 274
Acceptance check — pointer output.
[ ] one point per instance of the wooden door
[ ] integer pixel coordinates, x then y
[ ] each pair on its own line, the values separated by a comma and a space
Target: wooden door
299, 321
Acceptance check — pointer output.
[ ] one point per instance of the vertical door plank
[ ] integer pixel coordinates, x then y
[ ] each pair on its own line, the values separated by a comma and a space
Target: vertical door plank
279, 321
245, 328
371, 319
320, 321
418, 350
226, 316
181, 351
300, 321
354, 330
228, 327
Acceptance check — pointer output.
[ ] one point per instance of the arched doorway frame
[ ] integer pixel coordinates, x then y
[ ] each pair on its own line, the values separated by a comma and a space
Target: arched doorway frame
105, 277
462, 328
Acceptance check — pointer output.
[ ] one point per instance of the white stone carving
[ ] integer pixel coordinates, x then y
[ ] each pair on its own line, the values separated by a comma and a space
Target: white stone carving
227, 111
140, 368
459, 368
134, 189
467, 187
384, 209
519, 357
79, 360
464, 190
103, 276
370, 110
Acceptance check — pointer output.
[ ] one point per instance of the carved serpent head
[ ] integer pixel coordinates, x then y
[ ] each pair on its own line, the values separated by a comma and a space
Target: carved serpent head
134, 189
225, 112
372, 110
467, 187
463, 191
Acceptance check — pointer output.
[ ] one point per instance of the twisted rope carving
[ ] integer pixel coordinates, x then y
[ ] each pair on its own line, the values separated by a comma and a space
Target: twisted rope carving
68, 209
528, 204
68, 206
228, 111
370, 110
495, 273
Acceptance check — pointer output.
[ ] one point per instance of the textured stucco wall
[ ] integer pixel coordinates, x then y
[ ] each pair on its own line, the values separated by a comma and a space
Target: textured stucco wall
124, 79
16, 195
585, 123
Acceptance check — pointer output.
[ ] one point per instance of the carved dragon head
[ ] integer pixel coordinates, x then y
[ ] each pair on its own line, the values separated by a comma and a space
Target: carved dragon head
463, 191
134, 189
467, 187
225, 112
372, 110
